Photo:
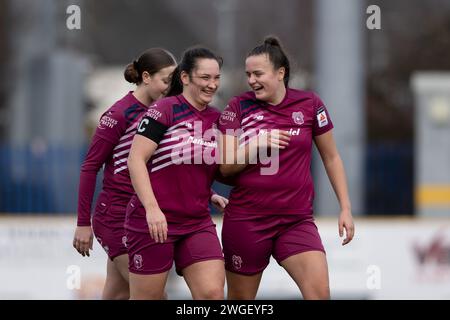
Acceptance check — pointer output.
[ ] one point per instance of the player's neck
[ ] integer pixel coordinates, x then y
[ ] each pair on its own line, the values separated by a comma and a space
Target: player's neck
142, 97
278, 96
193, 102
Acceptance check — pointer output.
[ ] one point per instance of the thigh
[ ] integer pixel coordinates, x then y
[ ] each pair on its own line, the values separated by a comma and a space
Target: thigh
247, 245
300, 251
299, 235
120, 264
147, 257
242, 287
116, 284
110, 236
309, 270
198, 246
206, 279
148, 286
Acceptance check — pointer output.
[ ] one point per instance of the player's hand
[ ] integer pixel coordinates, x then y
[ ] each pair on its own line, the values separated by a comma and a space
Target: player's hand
346, 222
83, 240
219, 202
278, 139
157, 225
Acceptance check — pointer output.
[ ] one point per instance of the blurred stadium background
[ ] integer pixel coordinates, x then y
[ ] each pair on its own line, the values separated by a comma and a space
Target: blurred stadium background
388, 92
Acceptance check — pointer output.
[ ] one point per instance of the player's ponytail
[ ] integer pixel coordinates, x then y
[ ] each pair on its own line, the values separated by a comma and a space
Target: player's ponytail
272, 47
272, 41
176, 86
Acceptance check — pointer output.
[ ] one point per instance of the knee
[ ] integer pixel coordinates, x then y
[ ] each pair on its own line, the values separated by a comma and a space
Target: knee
240, 295
318, 293
125, 295
146, 296
116, 294
213, 293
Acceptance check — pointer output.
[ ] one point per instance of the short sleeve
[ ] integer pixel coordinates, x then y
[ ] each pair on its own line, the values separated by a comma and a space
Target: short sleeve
155, 122
229, 120
322, 120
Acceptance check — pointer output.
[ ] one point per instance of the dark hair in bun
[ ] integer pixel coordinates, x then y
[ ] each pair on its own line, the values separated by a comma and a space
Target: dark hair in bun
151, 60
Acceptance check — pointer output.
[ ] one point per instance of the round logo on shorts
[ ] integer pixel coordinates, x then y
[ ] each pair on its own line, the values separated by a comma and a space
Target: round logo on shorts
137, 259
237, 262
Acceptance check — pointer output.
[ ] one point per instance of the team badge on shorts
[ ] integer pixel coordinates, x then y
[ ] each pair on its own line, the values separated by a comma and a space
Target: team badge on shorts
237, 262
298, 117
124, 241
137, 259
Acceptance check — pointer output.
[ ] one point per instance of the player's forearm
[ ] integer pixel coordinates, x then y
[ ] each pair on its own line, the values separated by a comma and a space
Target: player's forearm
141, 182
336, 173
85, 194
235, 160
98, 152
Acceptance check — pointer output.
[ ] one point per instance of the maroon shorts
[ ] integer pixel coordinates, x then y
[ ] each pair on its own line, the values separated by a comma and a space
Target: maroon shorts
110, 236
145, 256
248, 242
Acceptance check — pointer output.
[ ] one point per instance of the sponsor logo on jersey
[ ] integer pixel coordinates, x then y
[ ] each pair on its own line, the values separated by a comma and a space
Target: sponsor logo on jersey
107, 122
298, 117
294, 132
212, 144
322, 118
154, 114
227, 116
258, 117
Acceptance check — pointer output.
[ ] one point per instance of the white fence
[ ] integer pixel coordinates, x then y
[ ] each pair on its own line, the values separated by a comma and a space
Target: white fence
388, 259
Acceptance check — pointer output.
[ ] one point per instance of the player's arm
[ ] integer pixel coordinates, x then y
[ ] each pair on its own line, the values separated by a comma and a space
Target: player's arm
99, 151
145, 142
336, 173
235, 157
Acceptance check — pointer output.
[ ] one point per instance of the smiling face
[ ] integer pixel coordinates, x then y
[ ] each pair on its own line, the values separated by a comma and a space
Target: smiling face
201, 85
265, 81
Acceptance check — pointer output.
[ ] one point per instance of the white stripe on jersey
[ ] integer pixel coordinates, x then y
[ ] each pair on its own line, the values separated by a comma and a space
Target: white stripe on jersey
132, 127
159, 150
250, 116
123, 144
115, 155
174, 138
127, 136
250, 131
178, 161
251, 123
120, 169
174, 132
120, 161
177, 125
